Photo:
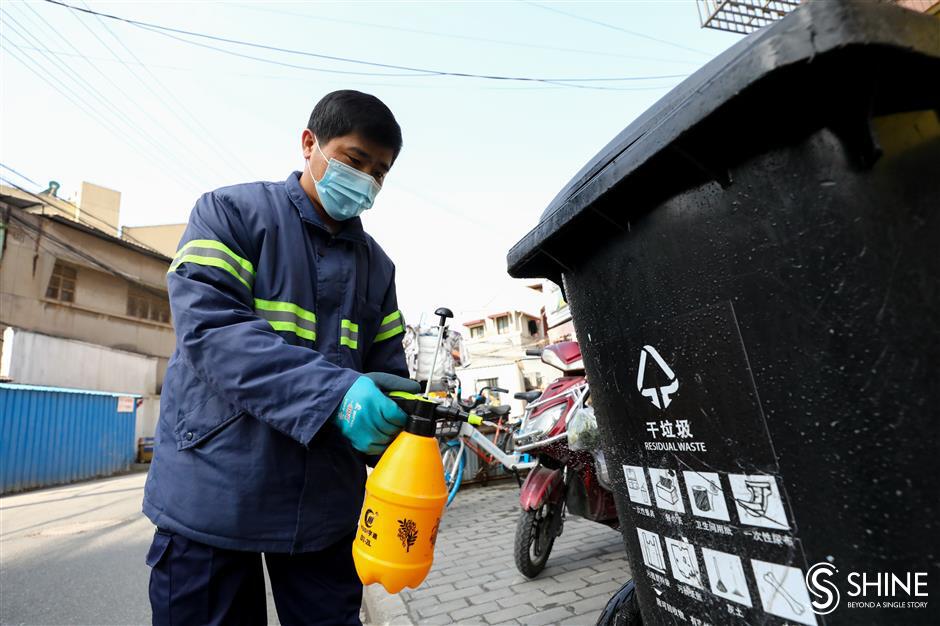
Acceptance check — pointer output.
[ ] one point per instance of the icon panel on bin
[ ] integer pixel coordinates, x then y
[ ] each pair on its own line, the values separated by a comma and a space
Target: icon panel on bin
706, 496
666, 490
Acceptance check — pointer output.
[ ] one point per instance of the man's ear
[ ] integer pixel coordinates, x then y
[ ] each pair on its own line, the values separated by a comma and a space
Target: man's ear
307, 140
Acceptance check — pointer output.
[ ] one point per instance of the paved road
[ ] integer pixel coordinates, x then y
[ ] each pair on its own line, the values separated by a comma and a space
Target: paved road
75, 555
474, 579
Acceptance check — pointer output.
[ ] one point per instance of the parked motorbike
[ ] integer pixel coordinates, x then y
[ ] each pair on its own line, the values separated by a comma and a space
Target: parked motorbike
568, 477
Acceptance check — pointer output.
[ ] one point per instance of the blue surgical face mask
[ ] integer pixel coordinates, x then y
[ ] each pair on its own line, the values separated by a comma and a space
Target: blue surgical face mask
344, 191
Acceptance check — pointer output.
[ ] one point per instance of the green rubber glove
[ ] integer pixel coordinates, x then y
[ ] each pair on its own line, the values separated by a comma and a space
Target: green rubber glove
368, 418
390, 382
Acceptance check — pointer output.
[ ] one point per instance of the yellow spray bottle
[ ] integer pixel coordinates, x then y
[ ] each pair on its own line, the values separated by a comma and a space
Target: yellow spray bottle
405, 497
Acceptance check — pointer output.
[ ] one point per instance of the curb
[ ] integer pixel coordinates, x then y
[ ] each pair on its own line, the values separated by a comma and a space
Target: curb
384, 609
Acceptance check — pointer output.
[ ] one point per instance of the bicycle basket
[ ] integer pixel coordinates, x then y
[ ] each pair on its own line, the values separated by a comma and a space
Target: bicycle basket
447, 429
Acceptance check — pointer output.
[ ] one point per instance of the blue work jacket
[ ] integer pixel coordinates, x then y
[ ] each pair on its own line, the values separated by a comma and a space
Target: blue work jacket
275, 318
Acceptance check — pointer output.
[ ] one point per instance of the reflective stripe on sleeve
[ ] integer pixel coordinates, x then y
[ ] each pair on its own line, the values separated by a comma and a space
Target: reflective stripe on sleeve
391, 325
215, 254
288, 317
349, 334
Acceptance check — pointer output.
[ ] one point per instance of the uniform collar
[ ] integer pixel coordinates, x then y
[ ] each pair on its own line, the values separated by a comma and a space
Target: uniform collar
352, 228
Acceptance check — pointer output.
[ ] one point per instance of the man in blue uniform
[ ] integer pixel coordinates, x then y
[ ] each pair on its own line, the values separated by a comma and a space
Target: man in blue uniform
280, 302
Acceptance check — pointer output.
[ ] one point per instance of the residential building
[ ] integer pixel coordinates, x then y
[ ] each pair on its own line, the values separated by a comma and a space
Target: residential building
163, 238
507, 328
79, 306
496, 344
556, 314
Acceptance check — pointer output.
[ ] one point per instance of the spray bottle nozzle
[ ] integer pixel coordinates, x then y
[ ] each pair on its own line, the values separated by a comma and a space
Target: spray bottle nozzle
423, 413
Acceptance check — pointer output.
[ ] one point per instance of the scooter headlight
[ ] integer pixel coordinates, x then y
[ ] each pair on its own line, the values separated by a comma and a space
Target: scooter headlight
539, 425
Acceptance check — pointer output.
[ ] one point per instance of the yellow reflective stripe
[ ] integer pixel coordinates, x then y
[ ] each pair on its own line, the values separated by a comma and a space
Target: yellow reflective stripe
289, 317
349, 334
390, 333
287, 307
215, 254
217, 245
390, 326
211, 261
293, 328
390, 318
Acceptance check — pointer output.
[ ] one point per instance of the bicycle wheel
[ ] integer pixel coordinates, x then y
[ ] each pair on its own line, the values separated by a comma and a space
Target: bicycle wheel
454, 458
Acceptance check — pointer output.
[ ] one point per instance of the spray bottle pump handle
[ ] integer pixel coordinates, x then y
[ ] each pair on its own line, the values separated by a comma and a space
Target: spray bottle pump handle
443, 315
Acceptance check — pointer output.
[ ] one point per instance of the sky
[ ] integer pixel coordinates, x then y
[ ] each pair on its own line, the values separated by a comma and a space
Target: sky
162, 119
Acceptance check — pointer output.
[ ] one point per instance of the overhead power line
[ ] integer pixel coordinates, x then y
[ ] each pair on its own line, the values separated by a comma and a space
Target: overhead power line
76, 251
567, 81
216, 73
78, 212
195, 125
617, 28
23, 176
155, 132
40, 233
309, 68
90, 100
67, 93
285, 77
491, 40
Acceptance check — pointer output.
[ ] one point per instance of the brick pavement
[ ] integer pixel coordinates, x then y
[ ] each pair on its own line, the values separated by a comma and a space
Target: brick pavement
474, 579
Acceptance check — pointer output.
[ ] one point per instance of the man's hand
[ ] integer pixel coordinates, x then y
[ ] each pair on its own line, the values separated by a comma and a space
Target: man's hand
367, 417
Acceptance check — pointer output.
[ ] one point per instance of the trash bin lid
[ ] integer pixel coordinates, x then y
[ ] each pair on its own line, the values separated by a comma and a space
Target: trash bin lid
827, 63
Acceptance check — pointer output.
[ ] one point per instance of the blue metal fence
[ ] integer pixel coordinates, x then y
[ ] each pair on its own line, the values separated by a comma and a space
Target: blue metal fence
51, 435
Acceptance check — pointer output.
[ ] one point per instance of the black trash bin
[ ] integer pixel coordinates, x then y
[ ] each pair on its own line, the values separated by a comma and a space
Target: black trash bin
753, 268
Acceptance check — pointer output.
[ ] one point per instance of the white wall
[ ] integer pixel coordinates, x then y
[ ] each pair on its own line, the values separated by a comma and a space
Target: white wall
511, 376
34, 359
147, 415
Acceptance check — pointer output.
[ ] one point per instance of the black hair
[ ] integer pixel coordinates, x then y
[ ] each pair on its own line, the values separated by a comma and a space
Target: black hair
347, 111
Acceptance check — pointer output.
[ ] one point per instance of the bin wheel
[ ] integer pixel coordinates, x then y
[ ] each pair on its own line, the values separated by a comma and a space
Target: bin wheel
535, 536
622, 609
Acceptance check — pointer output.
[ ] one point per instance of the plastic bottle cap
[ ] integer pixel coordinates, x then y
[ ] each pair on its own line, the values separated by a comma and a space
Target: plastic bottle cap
421, 426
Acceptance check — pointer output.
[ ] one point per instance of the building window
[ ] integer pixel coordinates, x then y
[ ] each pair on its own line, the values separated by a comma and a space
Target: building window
533, 380
148, 306
62, 283
533, 328
488, 382
476, 331
502, 324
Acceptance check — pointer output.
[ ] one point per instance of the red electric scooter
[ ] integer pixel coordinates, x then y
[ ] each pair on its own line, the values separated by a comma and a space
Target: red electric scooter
564, 479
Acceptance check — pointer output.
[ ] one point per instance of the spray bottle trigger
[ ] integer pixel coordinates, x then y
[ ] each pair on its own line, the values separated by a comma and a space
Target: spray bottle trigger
405, 395
407, 402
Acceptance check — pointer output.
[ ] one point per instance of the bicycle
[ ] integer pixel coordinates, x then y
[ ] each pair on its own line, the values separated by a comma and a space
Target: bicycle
466, 436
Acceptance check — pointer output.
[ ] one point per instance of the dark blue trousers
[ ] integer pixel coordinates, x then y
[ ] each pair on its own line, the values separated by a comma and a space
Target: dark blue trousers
193, 584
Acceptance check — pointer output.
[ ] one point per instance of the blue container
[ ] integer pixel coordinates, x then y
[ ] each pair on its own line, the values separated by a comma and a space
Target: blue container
50, 436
